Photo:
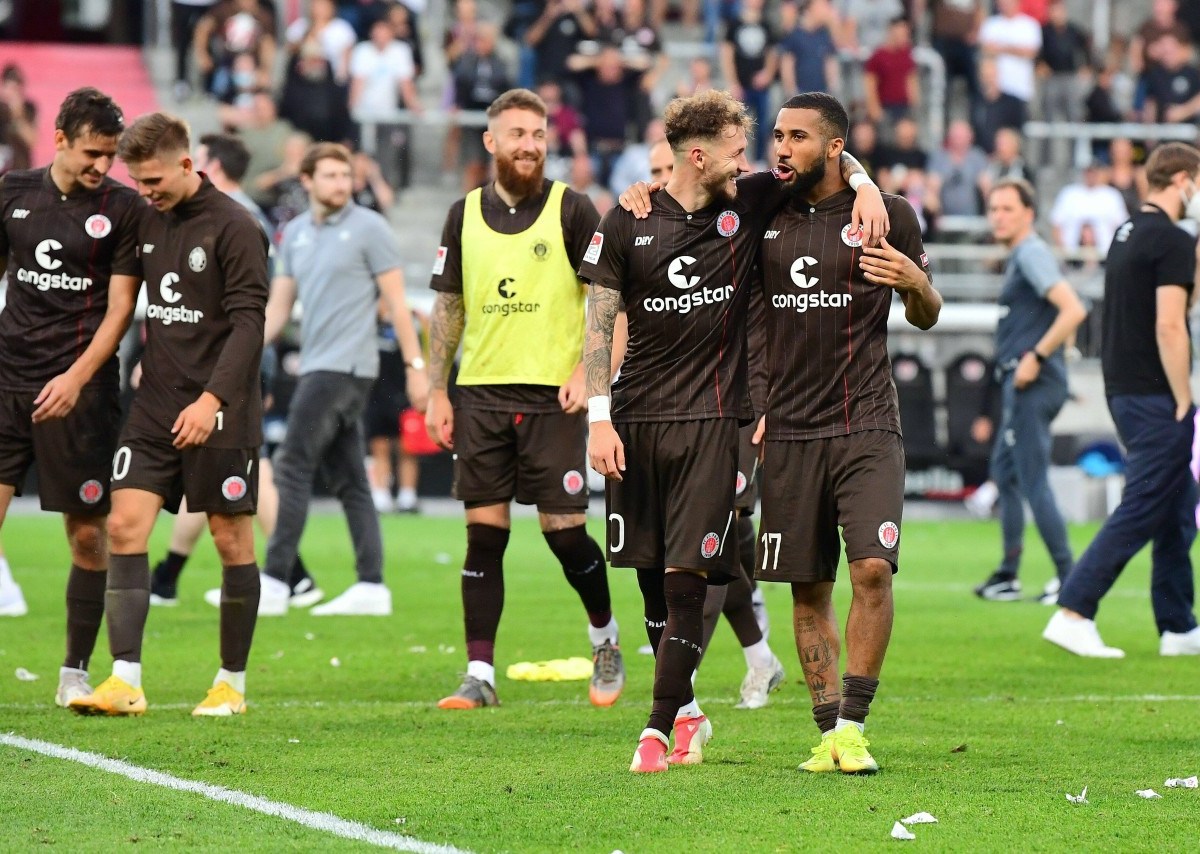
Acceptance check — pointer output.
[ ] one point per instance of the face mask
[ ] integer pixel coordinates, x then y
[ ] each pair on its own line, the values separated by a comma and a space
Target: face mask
1191, 206
244, 79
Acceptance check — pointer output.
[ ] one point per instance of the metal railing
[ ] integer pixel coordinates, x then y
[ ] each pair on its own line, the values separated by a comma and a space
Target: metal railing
1084, 134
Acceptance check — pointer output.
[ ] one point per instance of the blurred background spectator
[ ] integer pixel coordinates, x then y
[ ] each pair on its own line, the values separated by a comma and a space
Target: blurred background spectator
1089, 204
480, 76
229, 29
383, 80
958, 166
185, 16
18, 121
1013, 39
891, 81
809, 59
750, 63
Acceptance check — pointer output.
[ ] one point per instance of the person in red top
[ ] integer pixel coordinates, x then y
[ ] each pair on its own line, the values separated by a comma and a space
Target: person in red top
891, 81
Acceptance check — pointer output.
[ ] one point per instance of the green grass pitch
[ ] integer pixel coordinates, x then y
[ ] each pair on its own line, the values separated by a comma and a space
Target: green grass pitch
978, 721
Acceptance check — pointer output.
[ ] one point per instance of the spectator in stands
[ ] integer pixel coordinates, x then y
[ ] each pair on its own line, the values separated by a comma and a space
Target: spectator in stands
1064, 64
383, 80
1005, 161
750, 64
520, 21
286, 197
185, 15
18, 121
1173, 83
864, 142
1163, 20
403, 30
955, 29
323, 34
957, 167
995, 109
1089, 202
369, 188
362, 15
636, 36
564, 121
864, 23
891, 80
608, 83
263, 132
634, 163
315, 97
1013, 39
699, 78
1125, 173
904, 151
556, 34
244, 80
1100, 106
583, 180
232, 27
480, 75
809, 59
460, 34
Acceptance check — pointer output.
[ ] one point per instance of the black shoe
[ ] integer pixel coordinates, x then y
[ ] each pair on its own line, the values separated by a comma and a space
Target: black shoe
305, 592
999, 588
162, 591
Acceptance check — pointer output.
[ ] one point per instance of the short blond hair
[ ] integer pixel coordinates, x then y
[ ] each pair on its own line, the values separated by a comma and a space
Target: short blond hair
152, 136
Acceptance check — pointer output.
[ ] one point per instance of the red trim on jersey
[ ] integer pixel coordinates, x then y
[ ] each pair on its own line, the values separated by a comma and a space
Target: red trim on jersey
80, 344
849, 340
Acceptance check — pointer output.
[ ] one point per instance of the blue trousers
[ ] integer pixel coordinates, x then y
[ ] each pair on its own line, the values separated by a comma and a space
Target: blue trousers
1020, 462
1158, 506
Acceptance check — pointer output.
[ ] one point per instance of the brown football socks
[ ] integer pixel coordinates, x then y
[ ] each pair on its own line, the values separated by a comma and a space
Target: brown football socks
127, 602
85, 611
239, 613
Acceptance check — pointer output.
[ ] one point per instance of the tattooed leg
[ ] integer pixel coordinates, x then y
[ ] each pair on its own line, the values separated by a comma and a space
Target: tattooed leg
817, 640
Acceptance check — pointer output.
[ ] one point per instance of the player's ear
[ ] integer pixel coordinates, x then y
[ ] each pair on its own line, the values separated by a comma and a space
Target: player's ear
489, 142
60, 140
834, 148
187, 163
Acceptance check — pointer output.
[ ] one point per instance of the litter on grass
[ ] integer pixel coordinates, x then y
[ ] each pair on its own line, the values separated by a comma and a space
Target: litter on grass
1183, 782
24, 675
417, 649
335, 662
919, 818
1148, 794
1081, 798
555, 670
309, 636
293, 741
899, 831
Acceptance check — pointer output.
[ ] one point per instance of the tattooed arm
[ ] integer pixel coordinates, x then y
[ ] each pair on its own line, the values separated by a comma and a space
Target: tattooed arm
605, 451
869, 212
445, 333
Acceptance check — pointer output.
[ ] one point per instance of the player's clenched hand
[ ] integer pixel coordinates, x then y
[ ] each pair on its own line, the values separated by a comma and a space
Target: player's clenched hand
197, 421
572, 396
439, 420
887, 265
870, 215
636, 199
606, 454
57, 398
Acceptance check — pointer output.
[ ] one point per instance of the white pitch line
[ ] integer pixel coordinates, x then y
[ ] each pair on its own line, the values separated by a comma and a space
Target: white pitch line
707, 701
323, 821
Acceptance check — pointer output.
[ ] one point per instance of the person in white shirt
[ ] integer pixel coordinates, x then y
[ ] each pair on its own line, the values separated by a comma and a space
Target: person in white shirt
1014, 39
1089, 204
382, 80
335, 36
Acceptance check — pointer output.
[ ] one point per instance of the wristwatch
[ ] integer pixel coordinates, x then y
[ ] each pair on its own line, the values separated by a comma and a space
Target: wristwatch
417, 364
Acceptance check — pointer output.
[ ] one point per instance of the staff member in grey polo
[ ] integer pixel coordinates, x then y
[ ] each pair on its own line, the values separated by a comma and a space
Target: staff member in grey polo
337, 258
1040, 311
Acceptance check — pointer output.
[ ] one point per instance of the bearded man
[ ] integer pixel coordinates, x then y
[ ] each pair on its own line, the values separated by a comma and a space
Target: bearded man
508, 291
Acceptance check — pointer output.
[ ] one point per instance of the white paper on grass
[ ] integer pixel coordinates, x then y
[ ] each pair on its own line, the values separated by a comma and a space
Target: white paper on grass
1148, 794
335, 662
24, 675
899, 831
1183, 782
1081, 798
919, 818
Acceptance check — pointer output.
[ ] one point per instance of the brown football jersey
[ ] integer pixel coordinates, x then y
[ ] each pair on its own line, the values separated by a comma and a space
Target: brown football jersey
685, 278
61, 250
205, 266
827, 354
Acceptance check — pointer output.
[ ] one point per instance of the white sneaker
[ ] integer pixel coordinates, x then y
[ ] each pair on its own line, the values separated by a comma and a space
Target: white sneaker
272, 597
1050, 592
645, 649
759, 682
12, 601
982, 500
1078, 636
305, 593
362, 599
72, 683
383, 501
1176, 643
